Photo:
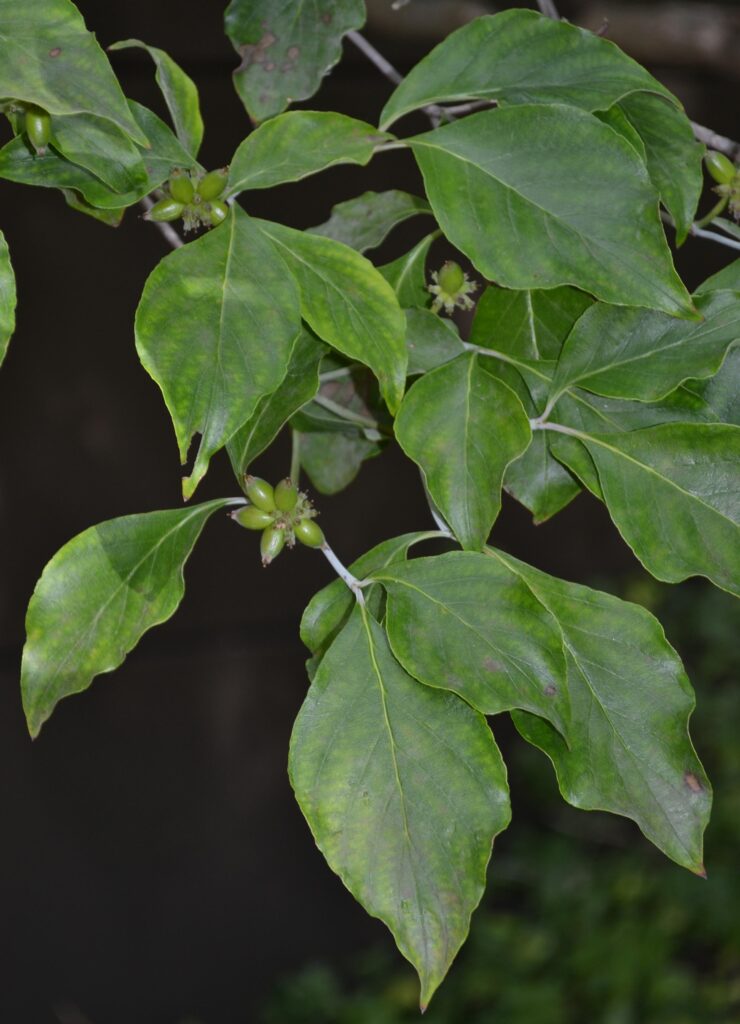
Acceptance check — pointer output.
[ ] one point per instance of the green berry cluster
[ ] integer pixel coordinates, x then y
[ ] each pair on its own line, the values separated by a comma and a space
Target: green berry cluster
451, 287
727, 176
193, 197
283, 513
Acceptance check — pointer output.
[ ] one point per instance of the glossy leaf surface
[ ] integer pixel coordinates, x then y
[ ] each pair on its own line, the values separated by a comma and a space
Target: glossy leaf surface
404, 790
461, 622
629, 750
364, 222
463, 427
7, 297
102, 148
179, 91
96, 598
673, 492
431, 340
215, 328
286, 48
543, 196
347, 303
51, 60
299, 143
519, 56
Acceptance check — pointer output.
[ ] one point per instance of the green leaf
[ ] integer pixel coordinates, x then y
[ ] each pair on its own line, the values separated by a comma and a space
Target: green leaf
299, 143
520, 57
96, 598
7, 297
18, 163
328, 610
460, 622
673, 156
727, 279
180, 94
618, 121
286, 48
629, 750
111, 217
721, 393
431, 340
298, 386
347, 303
333, 460
672, 491
365, 221
51, 60
215, 328
100, 147
543, 196
527, 324
642, 354
407, 274
463, 427
404, 790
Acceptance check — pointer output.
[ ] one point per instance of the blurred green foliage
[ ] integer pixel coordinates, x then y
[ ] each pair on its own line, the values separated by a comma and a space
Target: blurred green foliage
584, 922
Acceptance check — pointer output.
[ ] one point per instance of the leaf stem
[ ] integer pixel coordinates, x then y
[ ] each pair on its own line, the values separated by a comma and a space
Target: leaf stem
344, 574
295, 456
495, 354
540, 424
165, 229
346, 414
714, 212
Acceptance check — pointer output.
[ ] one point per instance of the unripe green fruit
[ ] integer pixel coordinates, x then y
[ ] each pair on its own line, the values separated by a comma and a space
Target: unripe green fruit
309, 533
212, 184
218, 212
252, 518
38, 129
271, 544
721, 169
166, 209
181, 187
286, 495
451, 277
260, 493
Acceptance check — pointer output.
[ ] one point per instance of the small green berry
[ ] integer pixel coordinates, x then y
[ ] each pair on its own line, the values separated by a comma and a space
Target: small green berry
218, 212
38, 128
181, 187
260, 493
451, 277
165, 210
212, 184
309, 532
272, 543
252, 518
720, 167
286, 495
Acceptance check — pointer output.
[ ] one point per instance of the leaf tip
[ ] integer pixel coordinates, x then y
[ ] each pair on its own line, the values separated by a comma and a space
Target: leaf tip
701, 871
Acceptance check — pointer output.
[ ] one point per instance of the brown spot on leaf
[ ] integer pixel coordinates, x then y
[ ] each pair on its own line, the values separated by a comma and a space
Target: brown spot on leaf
270, 66
55, 51
492, 665
326, 17
254, 53
550, 690
692, 782
293, 52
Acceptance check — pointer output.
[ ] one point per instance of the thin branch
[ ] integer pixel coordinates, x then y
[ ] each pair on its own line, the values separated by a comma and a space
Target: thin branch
344, 574
715, 141
384, 66
697, 232
538, 424
343, 371
166, 229
548, 8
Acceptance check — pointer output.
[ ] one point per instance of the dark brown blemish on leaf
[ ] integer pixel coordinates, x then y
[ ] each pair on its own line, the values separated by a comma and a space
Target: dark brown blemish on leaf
55, 51
550, 690
692, 782
326, 17
254, 53
492, 665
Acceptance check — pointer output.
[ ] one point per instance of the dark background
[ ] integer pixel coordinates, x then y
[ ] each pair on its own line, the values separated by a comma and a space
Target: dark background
153, 864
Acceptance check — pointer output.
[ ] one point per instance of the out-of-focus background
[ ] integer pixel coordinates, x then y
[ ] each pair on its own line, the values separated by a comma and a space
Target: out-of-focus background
154, 867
